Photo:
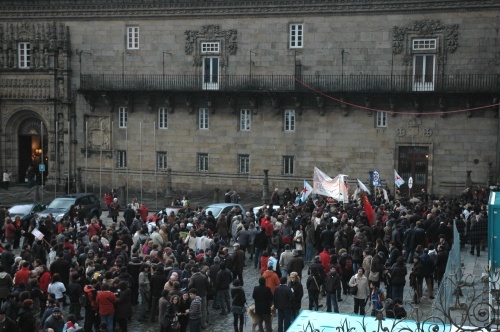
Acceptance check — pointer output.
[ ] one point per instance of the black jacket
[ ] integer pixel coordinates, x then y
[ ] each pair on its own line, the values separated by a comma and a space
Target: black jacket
332, 282
263, 298
283, 297
298, 293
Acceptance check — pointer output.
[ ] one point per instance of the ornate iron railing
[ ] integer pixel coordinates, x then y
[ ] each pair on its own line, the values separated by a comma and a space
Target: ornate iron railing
288, 83
476, 308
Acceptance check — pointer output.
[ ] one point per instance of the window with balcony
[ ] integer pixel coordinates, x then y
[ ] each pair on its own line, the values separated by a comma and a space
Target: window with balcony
424, 63
24, 55
161, 161
381, 119
162, 118
289, 120
287, 165
203, 118
133, 38
122, 159
210, 52
296, 35
245, 119
244, 163
122, 117
202, 162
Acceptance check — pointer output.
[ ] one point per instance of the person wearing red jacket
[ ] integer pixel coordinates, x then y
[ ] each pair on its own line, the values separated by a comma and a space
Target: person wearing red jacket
105, 302
10, 231
108, 198
324, 257
22, 276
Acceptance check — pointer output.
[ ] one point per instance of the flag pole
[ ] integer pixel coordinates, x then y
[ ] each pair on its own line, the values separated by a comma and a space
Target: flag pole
87, 155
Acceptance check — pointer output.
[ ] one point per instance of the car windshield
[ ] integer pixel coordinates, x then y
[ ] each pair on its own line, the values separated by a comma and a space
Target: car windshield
215, 210
61, 203
20, 210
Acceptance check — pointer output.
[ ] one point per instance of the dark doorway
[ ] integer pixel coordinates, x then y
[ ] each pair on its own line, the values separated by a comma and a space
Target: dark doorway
30, 149
413, 161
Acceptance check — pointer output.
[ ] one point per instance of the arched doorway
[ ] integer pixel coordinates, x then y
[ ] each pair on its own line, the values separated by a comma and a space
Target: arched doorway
32, 148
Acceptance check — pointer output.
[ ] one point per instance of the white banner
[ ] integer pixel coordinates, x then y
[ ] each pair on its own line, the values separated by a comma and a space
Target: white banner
326, 186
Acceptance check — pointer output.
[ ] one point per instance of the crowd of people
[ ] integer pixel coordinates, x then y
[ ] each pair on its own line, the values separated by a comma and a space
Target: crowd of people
177, 266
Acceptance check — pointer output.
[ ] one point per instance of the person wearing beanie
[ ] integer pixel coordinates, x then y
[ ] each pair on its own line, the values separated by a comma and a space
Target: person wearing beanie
55, 321
26, 319
6, 323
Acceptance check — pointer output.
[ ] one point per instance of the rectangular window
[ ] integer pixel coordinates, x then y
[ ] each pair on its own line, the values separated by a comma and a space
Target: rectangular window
244, 163
289, 120
424, 44
245, 119
122, 159
423, 72
161, 161
287, 165
381, 119
122, 117
202, 162
296, 35
24, 55
203, 118
162, 118
132, 38
209, 48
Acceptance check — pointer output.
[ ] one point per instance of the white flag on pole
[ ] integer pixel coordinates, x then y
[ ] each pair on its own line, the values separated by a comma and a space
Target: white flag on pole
306, 191
363, 187
398, 180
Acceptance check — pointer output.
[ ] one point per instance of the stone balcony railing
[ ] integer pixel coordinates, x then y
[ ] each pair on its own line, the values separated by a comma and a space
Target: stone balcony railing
288, 83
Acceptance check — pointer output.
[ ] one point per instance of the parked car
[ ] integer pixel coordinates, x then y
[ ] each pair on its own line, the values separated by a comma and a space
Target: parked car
26, 211
60, 207
219, 208
177, 210
257, 208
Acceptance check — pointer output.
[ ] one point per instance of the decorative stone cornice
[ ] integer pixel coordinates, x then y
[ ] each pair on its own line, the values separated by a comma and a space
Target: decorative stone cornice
83, 9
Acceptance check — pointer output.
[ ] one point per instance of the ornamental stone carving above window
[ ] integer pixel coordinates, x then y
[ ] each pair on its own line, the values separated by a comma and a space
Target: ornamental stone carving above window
211, 33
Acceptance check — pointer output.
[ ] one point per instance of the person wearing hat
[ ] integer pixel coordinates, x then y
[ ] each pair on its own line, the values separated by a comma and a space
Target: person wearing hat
7, 323
55, 321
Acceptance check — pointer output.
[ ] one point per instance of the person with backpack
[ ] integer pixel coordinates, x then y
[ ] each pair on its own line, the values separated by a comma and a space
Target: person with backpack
360, 282
376, 297
313, 285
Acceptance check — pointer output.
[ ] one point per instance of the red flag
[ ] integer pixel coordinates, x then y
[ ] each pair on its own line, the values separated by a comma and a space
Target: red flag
370, 214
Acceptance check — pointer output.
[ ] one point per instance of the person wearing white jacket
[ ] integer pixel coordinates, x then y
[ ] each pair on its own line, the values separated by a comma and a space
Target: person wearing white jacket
361, 281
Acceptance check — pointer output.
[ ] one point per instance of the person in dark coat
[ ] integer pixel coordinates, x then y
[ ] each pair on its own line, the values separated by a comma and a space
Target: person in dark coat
440, 265
283, 298
298, 292
199, 281
156, 284
238, 305
296, 264
74, 292
8, 257
333, 281
238, 263
123, 306
7, 323
26, 317
61, 266
263, 301
416, 279
398, 274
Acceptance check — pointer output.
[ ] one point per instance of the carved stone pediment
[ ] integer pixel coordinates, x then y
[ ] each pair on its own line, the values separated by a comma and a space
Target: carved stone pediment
211, 33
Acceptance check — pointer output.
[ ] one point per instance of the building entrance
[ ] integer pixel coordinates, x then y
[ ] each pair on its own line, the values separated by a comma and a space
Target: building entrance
413, 161
32, 150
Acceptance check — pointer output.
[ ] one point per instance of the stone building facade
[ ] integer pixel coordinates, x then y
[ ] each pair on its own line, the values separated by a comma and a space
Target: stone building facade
123, 93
